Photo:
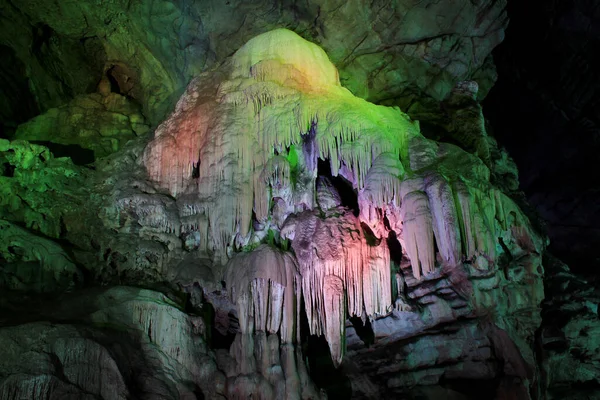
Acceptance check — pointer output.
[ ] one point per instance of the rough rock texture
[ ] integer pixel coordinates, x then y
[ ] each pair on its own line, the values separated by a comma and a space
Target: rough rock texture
285, 208
569, 334
34, 263
102, 124
233, 144
149, 50
116, 343
38, 190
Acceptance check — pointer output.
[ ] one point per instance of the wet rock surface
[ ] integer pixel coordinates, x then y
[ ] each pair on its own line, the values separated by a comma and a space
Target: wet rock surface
287, 238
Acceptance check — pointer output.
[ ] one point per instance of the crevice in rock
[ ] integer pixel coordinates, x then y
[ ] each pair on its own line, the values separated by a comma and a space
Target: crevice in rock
347, 193
215, 338
198, 393
196, 170
114, 84
370, 237
319, 362
8, 170
364, 330
76, 153
41, 36
394, 247
309, 147
505, 259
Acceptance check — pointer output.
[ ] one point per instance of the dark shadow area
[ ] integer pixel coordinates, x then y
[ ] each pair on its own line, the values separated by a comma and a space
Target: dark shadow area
17, 103
320, 367
370, 237
114, 84
395, 248
347, 193
214, 338
309, 147
364, 331
473, 389
76, 153
548, 84
7, 169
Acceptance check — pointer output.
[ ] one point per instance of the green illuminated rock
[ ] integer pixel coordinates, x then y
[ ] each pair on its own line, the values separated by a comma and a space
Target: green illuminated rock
150, 50
101, 123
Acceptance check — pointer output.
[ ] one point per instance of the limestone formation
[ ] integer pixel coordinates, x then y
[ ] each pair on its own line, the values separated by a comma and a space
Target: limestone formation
241, 128
281, 208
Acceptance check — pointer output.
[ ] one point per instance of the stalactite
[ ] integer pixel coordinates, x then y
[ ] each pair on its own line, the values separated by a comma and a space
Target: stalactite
477, 214
444, 218
381, 191
335, 318
239, 155
339, 271
278, 88
262, 286
418, 233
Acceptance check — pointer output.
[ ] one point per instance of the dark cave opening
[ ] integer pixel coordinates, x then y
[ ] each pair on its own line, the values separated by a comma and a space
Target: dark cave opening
114, 84
347, 193
77, 154
318, 361
215, 338
364, 330
394, 247
17, 103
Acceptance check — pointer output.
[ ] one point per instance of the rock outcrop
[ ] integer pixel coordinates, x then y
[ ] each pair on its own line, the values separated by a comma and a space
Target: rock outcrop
567, 336
283, 208
102, 124
117, 343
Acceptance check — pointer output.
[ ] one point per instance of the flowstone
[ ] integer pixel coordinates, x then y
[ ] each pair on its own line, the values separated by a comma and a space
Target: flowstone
240, 156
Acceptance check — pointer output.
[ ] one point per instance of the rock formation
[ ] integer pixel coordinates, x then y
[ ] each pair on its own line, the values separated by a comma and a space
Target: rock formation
272, 212
239, 155
149, 51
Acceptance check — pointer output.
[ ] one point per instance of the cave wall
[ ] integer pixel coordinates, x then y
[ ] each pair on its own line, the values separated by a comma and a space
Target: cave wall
406, 247
400, 52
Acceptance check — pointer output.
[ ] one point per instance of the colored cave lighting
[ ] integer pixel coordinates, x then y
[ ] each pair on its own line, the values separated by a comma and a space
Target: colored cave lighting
240, 155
